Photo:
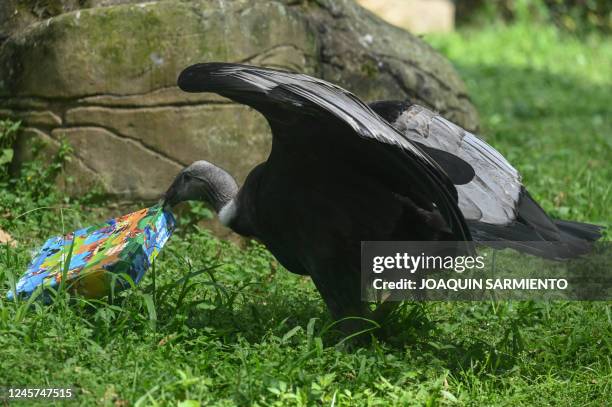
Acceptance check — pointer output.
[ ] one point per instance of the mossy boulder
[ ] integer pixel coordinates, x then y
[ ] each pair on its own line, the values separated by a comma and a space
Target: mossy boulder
104, 78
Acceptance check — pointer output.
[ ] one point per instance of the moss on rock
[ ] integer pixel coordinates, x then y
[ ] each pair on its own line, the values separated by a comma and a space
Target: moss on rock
104, 72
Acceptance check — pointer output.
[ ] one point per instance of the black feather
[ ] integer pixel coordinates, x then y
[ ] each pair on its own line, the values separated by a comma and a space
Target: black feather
459, 171
555, 239
337, 174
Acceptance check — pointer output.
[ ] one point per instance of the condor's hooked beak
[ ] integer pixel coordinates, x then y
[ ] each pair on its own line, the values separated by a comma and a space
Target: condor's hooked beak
172, 196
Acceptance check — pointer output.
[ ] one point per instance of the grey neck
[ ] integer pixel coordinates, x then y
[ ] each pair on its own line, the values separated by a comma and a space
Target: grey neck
202, 181
220, 191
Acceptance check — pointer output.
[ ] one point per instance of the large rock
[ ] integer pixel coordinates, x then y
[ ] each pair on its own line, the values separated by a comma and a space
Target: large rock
103, 78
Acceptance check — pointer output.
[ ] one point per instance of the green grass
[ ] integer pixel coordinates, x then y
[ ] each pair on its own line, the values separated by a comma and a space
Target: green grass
544, 100
227, 326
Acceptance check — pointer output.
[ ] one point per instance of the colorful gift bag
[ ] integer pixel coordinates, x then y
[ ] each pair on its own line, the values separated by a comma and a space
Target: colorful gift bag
121, 246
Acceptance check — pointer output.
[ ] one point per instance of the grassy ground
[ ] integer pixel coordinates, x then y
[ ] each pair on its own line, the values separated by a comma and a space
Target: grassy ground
237, 329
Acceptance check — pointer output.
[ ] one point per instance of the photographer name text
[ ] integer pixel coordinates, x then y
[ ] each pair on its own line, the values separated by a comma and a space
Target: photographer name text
471, 284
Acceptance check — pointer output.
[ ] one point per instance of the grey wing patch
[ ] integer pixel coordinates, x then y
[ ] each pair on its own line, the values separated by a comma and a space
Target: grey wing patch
287, 99
493, 194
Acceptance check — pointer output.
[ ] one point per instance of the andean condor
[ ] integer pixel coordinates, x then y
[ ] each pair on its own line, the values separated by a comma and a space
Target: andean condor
341, 172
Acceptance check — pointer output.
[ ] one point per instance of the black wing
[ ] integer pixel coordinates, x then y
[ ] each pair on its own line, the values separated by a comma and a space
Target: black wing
290, 100
494, 201
458, 170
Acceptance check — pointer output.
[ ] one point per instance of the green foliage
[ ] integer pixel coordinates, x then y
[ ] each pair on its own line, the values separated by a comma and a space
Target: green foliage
8, 133
581, 15
216, 325
30, 202
192, 213
34, 186
575, 16
547, 93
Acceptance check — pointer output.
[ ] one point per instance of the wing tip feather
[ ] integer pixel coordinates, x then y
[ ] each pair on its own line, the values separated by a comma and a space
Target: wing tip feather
198, 77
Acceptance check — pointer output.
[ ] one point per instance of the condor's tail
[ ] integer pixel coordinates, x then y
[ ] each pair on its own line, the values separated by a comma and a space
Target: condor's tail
535, 233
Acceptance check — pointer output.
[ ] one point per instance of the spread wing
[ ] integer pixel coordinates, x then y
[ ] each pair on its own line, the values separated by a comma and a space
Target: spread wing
298, 107
492, 195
